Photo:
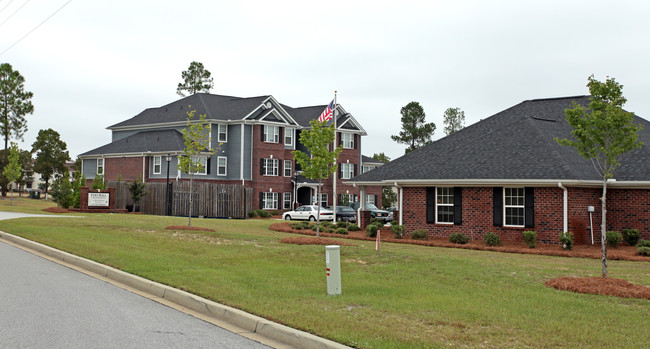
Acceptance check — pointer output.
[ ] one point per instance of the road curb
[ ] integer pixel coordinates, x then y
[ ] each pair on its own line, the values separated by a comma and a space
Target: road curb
248, 322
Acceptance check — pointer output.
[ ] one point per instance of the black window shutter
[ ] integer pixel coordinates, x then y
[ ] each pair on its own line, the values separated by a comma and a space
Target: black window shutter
262, 166
458, 205
261, 200
355, 141
529, 207
431, 205
355, 170
281, 135
207, 165
497, 206
340, 139
277, 200
340, 170
376, 202
262, 132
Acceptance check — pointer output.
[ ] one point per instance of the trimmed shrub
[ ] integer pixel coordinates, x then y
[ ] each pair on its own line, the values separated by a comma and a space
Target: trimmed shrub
631, 236
492, 239
643, 250
342, 224
398, 230
341, 231
252, 214
326, 224
566, 239
613, 238
377, 221
326, 230
264, 214
643, 243
419, 234
458, 238
353, 227
371, 230
530, 238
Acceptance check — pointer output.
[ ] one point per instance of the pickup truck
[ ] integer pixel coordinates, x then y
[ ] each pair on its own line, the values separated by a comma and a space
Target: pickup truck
374, 211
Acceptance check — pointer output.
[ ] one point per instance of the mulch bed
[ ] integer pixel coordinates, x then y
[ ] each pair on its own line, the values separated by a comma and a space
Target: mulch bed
56, 209
308, 240
185, 227
601, 286
590, 285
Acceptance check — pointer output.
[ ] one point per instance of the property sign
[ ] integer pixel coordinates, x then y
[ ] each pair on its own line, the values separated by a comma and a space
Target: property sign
98, 199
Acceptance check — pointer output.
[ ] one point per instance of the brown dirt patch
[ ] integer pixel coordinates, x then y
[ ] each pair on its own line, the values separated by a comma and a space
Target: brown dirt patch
184, 227
601, 286
56, 209
308, 240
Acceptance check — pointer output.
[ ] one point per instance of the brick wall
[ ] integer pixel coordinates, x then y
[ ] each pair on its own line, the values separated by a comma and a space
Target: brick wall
626, 209
129, 168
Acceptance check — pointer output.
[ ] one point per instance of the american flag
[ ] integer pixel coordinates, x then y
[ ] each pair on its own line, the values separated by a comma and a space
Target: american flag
327, 113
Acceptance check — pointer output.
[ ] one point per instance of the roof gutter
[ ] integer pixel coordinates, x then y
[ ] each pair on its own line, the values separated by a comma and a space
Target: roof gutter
502, 182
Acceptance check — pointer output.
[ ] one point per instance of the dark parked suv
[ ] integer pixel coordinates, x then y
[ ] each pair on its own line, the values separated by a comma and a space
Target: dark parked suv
374, 211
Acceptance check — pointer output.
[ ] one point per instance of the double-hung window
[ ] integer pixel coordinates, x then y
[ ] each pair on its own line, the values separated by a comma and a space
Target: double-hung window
288, 136
347, 140
271, 134
203, 161
287, 168
370, 199
222, 131
270, 167
100, 166
270, 201
222, 166
513, 207
323, 200
156, 164
445, 205
286, 201
347, 171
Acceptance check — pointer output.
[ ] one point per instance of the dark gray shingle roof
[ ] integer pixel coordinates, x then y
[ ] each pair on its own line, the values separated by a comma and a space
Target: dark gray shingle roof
144, 141
517, 143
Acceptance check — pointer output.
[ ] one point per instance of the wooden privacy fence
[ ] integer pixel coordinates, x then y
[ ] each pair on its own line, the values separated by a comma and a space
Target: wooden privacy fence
209, 199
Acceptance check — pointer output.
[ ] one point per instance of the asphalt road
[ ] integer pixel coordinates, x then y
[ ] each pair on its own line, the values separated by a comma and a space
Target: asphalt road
47, 305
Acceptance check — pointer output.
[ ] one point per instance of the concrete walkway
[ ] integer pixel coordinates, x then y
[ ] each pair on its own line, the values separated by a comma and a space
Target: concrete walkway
234, 320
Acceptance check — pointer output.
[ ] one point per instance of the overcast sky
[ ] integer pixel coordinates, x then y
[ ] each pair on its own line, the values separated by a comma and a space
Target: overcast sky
96, 63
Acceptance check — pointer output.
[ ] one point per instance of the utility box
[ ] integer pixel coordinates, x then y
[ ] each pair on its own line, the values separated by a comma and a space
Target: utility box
333, 264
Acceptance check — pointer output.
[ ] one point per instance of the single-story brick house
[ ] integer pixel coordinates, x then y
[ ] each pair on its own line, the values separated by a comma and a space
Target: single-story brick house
506, 174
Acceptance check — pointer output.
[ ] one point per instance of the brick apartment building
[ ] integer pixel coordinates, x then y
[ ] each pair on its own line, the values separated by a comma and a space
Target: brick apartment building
253, 138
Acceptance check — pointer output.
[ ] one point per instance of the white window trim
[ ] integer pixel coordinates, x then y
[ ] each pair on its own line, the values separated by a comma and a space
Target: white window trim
446, 205
275, 135
522, 206
225, 140
159, 164
285, 201
350, 141
274, 201
290, 131
370, 199
323, 199
100, 165
225, 165
284, 168
204, 163
274, 166
348, 170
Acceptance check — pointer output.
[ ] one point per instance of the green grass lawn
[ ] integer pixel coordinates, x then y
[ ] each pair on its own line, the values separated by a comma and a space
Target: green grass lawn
410, 297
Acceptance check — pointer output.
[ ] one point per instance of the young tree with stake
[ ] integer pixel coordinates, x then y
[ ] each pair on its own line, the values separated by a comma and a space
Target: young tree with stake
602, 133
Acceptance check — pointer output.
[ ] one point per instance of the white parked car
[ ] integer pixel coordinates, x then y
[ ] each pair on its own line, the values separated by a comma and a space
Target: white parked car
309, 212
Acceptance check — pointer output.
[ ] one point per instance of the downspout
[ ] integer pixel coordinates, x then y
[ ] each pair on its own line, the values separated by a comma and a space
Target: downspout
401, 203
241, 150
565, 211
143, 166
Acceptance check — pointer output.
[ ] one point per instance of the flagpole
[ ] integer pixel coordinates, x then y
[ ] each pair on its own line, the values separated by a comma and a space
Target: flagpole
334, 198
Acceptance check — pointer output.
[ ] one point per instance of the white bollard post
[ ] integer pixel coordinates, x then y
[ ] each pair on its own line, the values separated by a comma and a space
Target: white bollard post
333, 264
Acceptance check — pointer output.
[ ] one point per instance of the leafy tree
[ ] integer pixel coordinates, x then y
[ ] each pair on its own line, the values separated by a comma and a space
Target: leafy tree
138, 190
320, 163
78, 181
62, 191
26, 169
415, 132
195, 79
12, 170
454, 120
602, 133
388, 196
98, 183
51, 155
197, 142
15, 103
